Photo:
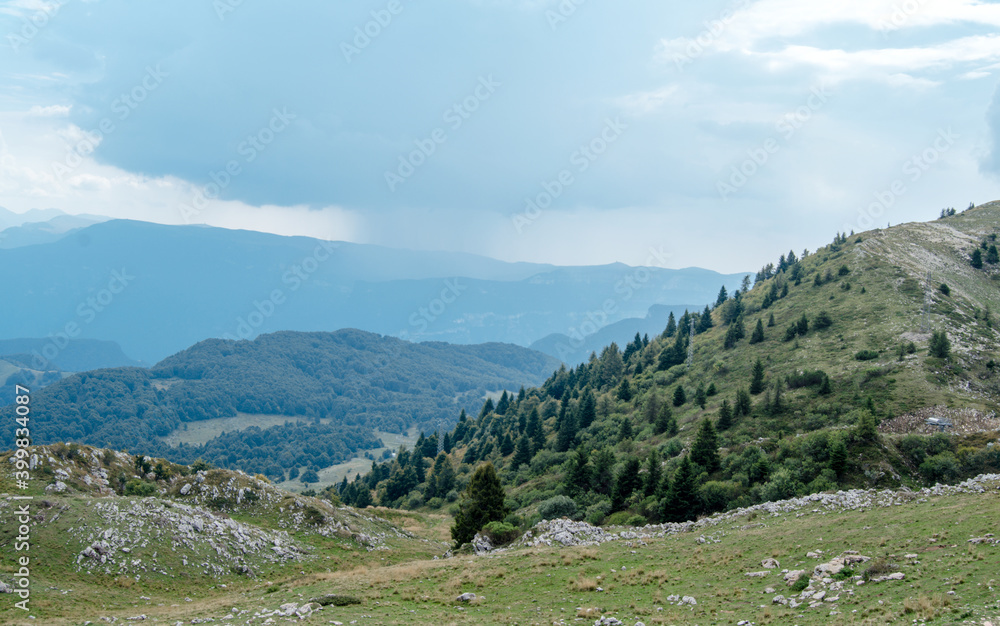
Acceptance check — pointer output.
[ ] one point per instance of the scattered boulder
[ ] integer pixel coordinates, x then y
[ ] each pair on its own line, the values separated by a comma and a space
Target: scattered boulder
608, 621
770, 564
779, 599
792, 576
466, 597
186, 489
888, 577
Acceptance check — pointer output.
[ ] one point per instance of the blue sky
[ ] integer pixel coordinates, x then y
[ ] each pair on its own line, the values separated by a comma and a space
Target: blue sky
563, 131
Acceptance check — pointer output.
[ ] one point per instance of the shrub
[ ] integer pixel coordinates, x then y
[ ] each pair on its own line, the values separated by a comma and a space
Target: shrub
823, 320
335, 599
800, 583
878, 567
843, 271
558, 506
945, 289
597, 512
136, 487
636, 520
805, 379
866, 355
501, 533
619, 518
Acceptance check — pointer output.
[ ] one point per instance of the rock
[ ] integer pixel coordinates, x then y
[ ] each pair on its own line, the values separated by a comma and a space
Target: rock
482, 544
757, 574
466, 597
608, 621
5, 588
768, 589
793, 576
186, 489
688, 600
58, 487
815, 554
288, 609
779, 599
307, 608
892, 576
819, 596
770, 564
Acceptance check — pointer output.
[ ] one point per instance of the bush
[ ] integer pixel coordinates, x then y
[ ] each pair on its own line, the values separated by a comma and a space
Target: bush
823, 320
136, 487
636, 520
619, 518
878, 567
716, 495
800, 583
597, 512
941, 467
945, 289
782, 486
866, 355
558, 506
805, 379
335, 599
501, 533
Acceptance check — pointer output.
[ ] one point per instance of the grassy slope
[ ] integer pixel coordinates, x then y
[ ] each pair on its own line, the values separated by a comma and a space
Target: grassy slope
405, 585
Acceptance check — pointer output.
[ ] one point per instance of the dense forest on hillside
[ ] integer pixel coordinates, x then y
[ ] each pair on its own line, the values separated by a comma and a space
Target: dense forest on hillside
345, 383
791, 386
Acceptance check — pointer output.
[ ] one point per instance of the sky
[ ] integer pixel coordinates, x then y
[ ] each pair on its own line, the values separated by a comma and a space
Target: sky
719, 134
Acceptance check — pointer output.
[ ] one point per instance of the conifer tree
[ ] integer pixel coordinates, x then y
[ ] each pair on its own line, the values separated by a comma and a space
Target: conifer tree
757, 377
522, 452
743, 405
770, 321
838, 456
758, 333
711, 391
588, 409
654, 474
705, 450
506, 445
535, 431
992, 256
725, 416
825, 387
665, 422
977, 259
624, 390
681, 502
700, 397
704, 321
567, 431
601, 476
679, 396
723, 296
671, 326
652, 407
939, 346
625, 430
483, 502
577, 477
487, 408
626, 483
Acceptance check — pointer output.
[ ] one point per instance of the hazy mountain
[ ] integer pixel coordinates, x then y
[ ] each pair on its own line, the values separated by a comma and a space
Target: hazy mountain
156, 289
35, 232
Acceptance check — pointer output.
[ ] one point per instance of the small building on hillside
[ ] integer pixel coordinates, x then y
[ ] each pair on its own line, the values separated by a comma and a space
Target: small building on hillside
941, 423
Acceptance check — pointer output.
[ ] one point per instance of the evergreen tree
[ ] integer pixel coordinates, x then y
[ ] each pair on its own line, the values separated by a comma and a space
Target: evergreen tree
665, 422
838, 456
652, 407
704, 321
679, 396
487, 408
802, 326
588, 409
777, 403
447, 444
442, 478
735, 332
758, 333
601, 477
567, 431
700, 397
483, 502
825, 387
577, 476
977, 259
723, 296
362, 497
743, 405
654, 474
462, 417
770, 321
522, 452
624, 390
711, 391
535, 431
867, 428
681, 502
506, 445
625, 430
705, 450
757, 377
671, 326
992, 256
626, 483
940, 346
725, 416
503, 404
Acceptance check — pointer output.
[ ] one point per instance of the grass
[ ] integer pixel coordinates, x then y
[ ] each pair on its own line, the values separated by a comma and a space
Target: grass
405, 585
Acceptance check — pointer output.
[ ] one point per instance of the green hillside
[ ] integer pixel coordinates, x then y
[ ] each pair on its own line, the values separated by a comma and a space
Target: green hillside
849, 361
334, 388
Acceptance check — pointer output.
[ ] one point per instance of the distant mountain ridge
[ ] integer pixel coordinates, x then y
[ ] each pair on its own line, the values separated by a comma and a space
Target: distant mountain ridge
157, 289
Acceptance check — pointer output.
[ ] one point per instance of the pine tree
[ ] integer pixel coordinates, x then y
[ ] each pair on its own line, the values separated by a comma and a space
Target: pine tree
671, 326
777, 403
757, 378
601, 476
977, 259
838, 456
725, 416
566, 434
681, 502
679, 396
503, 404
588, 409
705, 450
939, 346
743, 405
825, 387
654, 474
577, 476
711, 391
652, 407
624, 391
704, 321
506, 445
626, 482
482, 503
802, 326
770, 321
522, 452
723, 296
700, 397
992, 256
758, 333
535, 431
867, 428
625, 431
665, 422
